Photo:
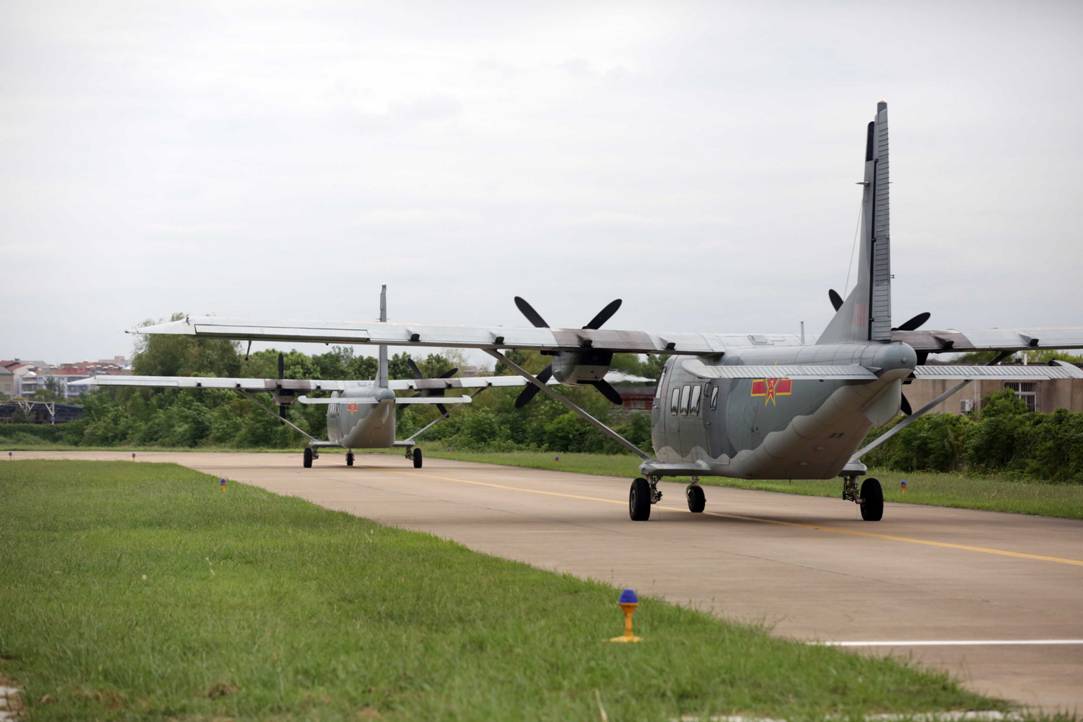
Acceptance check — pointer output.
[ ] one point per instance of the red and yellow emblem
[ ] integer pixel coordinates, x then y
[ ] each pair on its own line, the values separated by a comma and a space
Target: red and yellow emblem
352, 408
771, 389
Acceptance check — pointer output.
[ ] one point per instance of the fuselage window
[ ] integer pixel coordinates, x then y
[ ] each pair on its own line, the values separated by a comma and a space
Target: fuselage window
686, 392
714, 398
693, 407
661, 383
675, 402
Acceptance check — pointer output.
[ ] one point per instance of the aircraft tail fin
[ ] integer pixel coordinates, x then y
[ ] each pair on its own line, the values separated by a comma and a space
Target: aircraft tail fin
865, 315
381, 373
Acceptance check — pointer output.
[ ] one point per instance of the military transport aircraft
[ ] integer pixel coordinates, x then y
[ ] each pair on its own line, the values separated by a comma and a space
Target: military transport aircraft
360, 414
751, 406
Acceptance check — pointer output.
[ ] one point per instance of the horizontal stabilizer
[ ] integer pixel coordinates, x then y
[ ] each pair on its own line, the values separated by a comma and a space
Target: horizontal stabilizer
1037, 372
476, 382
368, 400
850, 372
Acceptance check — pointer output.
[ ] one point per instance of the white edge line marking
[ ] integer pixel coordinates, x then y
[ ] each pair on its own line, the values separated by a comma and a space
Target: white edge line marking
955, 643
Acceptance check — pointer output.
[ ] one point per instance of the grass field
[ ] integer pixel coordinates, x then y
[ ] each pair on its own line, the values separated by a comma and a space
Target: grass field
966, 492
140, 591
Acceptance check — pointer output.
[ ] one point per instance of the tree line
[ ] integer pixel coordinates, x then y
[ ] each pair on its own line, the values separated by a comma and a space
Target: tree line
1002, 436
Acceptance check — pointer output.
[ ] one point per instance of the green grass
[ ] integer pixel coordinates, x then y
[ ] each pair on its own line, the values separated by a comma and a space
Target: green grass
954, 490
136, 591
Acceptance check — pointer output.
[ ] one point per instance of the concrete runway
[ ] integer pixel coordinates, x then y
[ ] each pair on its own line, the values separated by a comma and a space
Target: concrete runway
807, 567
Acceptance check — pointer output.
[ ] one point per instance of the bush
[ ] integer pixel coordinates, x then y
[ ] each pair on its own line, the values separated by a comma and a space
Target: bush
1004, 437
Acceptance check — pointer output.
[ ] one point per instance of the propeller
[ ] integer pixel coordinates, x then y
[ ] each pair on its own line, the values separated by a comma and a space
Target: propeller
603, 386
914, 323
836, 299
431, 392
905, 406
282, 408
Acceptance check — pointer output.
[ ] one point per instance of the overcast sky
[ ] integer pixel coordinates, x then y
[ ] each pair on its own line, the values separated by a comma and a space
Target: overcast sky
265, 160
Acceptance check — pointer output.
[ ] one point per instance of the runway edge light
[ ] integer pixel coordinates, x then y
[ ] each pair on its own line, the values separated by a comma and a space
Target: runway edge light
222, 485
628, 603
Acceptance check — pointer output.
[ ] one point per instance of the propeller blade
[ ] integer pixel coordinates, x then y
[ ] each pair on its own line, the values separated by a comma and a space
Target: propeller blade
528, 393
905, 406
608, 391
281, 365
604, 315
413, 368
915, 323
282, 411
836, 299
531, 315
442, 409
448, 374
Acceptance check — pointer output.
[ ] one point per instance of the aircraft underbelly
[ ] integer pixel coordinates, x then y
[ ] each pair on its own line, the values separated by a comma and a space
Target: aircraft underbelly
364, 426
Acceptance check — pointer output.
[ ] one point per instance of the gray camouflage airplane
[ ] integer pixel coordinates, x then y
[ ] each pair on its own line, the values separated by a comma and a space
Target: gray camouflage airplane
750, 406
360, 414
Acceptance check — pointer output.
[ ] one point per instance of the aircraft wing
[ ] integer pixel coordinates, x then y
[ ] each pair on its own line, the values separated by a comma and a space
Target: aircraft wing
483, 337
368, 400
993, 339
209, 382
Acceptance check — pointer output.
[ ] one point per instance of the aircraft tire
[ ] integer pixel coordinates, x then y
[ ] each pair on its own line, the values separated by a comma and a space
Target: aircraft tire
697, 500
308, 459
349, 458
418, 459
872, 500
639, 500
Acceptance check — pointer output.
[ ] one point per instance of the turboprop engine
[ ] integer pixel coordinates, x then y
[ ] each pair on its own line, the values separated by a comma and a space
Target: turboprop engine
585, 366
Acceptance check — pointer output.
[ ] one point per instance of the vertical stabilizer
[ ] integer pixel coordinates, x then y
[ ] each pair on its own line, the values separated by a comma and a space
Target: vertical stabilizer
381, 373
866, 313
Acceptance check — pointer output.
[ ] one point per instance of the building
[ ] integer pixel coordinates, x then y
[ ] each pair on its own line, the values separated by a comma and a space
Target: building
23, 379
7, 383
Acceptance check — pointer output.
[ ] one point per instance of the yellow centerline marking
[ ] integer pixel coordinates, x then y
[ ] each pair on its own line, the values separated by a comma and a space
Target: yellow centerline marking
803, 525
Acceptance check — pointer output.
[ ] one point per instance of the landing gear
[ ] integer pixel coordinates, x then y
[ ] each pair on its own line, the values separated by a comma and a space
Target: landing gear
639, 500
697, 500
417, 458
872, 500
349, 458
309, 456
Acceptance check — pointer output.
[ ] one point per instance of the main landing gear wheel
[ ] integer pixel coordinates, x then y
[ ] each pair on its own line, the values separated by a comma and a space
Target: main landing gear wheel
697, 500
308, 458
349, 458
417, 458
872, 500
639, 500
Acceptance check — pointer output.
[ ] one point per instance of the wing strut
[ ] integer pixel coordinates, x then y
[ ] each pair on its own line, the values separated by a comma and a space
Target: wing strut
540, 385
411, 441
879, 440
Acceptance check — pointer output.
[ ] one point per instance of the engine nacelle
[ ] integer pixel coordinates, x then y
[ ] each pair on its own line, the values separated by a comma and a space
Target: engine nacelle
580, 367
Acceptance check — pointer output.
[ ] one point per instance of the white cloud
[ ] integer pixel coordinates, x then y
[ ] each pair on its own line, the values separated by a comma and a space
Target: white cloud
698, 160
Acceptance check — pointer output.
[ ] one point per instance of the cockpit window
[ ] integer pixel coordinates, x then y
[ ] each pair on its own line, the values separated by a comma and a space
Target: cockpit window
693, 406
